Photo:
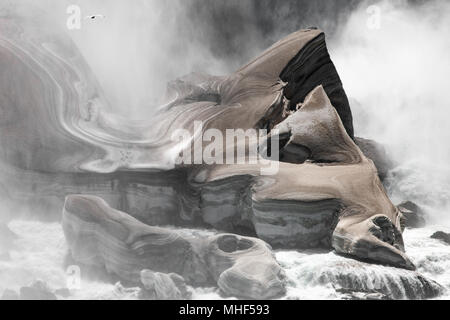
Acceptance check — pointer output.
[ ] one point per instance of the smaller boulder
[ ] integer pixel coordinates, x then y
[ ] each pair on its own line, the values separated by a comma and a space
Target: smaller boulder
413, 215
39, 290
445, 237
162, 286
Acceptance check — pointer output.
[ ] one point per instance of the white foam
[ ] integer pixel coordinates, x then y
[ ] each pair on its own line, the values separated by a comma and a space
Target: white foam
40, 250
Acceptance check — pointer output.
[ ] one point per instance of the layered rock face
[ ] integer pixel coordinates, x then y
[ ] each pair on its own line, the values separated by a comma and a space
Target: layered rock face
368, 282
98, 235
440, 235
324, 191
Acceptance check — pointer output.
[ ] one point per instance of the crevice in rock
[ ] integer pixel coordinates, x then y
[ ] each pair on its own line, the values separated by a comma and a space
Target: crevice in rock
312, 67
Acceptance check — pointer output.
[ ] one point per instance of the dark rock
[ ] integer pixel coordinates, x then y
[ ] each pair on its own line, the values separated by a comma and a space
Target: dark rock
39, 290
360, 280
377, 153
10, 295
63, 292
300, 81
442, 236
413, 215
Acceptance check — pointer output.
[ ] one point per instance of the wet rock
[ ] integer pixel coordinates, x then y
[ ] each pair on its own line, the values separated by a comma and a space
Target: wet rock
360, 280
413, 215
10, 295
99, 235
377, 153
440, 235
38, 290
162, 286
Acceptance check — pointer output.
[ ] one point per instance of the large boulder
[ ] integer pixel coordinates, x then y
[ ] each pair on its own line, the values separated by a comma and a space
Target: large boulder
98, 235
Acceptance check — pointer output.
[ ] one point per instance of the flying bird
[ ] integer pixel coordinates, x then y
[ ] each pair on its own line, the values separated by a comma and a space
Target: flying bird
95, 16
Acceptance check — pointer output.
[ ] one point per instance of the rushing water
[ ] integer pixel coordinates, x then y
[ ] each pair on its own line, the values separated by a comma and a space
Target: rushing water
40, 250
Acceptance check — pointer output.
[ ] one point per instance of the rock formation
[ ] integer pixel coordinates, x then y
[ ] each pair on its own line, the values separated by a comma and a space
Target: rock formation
325, 192
440, 235
98, 235
358, 279
413, 215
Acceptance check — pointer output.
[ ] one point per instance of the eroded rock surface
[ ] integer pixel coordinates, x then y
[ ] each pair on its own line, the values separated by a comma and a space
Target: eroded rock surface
396, 285
98, 235
440, 235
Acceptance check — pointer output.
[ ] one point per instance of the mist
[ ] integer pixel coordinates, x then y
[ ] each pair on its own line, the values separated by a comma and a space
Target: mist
141, 45
397, 79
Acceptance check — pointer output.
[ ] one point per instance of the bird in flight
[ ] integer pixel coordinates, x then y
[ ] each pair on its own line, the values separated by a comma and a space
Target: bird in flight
95, 17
